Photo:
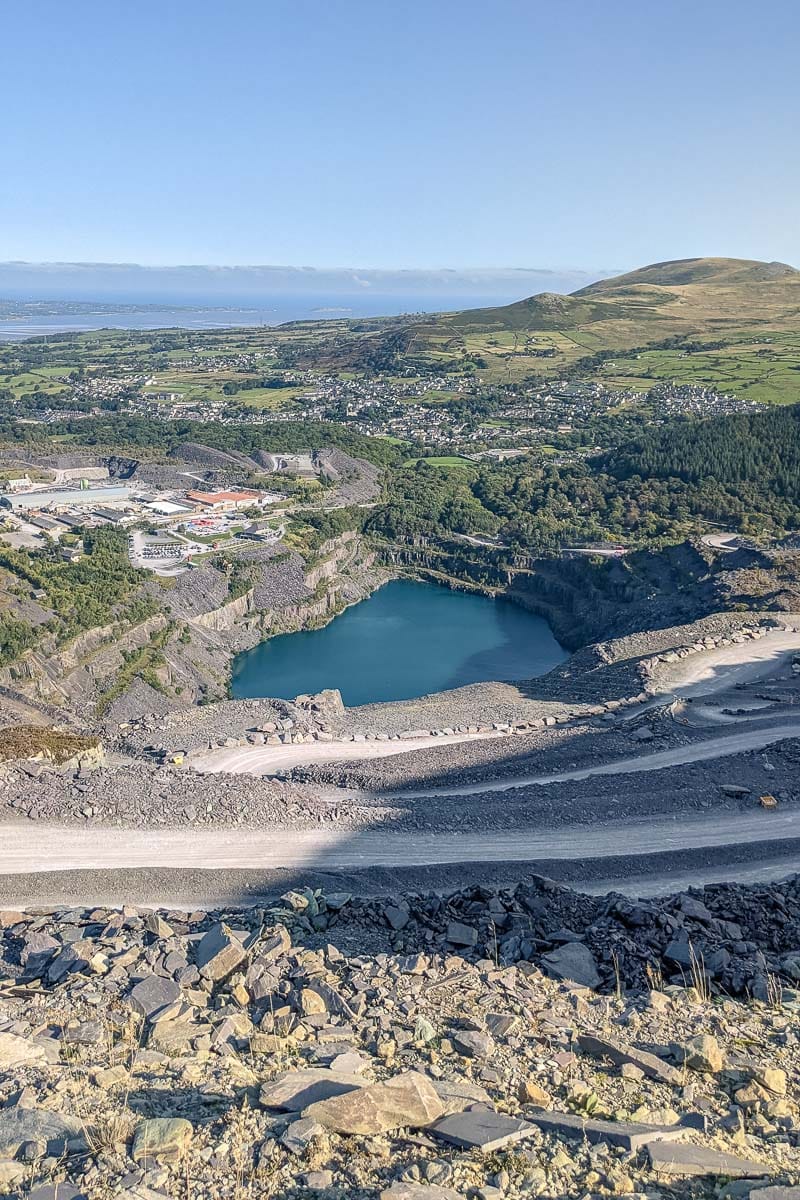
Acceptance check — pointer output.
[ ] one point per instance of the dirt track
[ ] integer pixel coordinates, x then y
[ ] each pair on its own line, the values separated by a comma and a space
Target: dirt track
710, 839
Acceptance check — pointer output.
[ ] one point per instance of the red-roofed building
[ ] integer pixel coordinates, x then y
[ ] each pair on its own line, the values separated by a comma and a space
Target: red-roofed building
226, 501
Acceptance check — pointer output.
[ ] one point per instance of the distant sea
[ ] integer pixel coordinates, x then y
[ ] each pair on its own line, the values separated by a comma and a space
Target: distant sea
190, 312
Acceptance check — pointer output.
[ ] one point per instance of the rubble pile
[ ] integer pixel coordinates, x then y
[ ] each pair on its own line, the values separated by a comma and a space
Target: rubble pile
483, 1045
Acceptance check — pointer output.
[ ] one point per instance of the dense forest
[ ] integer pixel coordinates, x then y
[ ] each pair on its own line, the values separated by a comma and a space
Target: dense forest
740, 472
98, 589
118, 433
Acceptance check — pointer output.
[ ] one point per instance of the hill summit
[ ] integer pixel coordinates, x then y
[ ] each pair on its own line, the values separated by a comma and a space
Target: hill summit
687, 272
696, 295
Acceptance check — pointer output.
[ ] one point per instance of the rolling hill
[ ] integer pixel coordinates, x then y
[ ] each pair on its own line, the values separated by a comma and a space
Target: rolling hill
697, 295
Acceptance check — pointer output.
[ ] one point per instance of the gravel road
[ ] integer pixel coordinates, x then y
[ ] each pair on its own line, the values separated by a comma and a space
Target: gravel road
716, 747
59, 849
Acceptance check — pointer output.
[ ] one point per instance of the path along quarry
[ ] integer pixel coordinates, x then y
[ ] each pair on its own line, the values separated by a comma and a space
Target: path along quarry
214, 850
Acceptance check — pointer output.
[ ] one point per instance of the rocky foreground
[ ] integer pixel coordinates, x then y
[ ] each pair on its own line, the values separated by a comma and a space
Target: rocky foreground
488, 1044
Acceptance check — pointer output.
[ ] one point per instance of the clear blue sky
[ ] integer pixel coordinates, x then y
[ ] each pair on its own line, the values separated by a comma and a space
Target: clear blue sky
566, 133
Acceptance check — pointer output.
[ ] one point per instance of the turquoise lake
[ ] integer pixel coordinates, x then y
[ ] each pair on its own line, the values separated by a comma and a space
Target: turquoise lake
406, 640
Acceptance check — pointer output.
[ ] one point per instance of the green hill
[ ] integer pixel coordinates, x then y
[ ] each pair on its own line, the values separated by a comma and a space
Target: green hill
689, 295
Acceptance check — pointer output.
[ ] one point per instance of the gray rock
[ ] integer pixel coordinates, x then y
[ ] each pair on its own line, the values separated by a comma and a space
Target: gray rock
73, 959
620, 1053
301, 1133
481, 1129
296, 1090
458, 1094
615, 1133
774, 1192
18, 1051
407, 1101
317, 1181
161, 1139
58, 1133
690, 1160
473, 1044
572, 961
461, 935
419, 1191
37, 952
156, 998
219, 953
56, 1191
397, 916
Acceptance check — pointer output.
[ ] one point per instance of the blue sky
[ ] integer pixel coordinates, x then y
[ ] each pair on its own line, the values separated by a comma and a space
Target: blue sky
429, 133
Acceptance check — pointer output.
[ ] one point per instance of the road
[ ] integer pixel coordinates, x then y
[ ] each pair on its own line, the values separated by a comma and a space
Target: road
716, 747
34, 849
706, 841
701, 674
728, 543
266, 760
727, 667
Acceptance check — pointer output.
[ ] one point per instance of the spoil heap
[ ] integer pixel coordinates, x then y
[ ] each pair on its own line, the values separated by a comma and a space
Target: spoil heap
488, 1045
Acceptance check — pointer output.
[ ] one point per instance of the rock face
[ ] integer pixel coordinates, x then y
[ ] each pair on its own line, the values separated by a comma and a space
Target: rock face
407, 1101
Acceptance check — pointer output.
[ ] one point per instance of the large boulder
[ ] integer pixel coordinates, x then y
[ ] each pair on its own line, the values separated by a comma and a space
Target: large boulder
407, 1101
573, 961
55, 1133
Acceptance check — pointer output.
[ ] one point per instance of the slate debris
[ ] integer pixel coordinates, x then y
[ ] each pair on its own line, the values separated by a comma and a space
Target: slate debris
614, 1133
309, 1043
689, 1160
481, 1129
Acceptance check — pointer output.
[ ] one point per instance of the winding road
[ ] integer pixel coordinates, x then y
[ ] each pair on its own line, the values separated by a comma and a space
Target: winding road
706, 841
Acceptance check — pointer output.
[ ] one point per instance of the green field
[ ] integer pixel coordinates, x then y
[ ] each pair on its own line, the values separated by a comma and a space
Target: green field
749, 366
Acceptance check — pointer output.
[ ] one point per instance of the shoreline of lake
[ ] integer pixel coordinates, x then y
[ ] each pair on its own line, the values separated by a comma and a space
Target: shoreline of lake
406, 640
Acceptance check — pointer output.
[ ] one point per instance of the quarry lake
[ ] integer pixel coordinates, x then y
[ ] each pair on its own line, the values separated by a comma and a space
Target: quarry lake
406, 640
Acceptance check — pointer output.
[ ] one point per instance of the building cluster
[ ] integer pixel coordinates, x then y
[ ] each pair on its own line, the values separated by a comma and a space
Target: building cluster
165, 524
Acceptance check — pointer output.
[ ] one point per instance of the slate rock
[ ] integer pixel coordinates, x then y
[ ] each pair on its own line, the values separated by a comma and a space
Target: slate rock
407, 1101
620, 1053
71, 960
299, 1135
219, 953
156, 998
629, 1136
296, 1090
473, 1044
56, 1191
703, 1053
397, 916
481, 1129
419, 1191
37, 952
18, 1051
774, 1192
459, 934
687, 1160
58, 1133
161, 1139
11, 1173
573, 961
458, 1094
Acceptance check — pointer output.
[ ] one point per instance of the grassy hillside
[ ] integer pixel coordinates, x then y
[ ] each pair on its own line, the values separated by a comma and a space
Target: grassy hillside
744, 316
692, 295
